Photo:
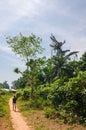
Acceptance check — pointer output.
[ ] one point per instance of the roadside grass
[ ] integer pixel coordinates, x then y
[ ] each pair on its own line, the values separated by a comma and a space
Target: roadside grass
5, 122
38, 121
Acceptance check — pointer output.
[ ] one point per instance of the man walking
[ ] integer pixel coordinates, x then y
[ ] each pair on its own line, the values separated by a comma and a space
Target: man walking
14, 103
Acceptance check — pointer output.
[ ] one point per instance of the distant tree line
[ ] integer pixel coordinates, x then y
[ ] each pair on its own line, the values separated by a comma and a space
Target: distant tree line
4, 85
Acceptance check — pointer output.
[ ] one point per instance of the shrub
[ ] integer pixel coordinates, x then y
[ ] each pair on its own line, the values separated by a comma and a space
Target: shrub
4, 108
82, 120
2, 111
19, 93
70, 99
23, 93
43, 92
4, 92
51, 113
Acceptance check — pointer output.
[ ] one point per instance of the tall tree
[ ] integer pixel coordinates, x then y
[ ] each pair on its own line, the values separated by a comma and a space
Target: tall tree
27, 47
6, 85
61, 57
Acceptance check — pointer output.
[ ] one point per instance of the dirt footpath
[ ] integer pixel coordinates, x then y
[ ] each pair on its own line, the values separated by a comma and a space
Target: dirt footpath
18, 120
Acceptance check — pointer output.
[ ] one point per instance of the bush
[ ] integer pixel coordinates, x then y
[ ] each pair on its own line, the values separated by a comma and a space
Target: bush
2, 111
4, 108
67, 115
51, 113
43, 92
70, 99
31, 104
19, 93
23, 93
82, 120
4, 92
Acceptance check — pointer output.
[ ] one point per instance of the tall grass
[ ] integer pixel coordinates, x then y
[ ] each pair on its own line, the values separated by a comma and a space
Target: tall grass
4, 108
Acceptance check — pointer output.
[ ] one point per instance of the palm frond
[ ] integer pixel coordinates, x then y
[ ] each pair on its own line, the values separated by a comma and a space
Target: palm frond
71, 53
65, 51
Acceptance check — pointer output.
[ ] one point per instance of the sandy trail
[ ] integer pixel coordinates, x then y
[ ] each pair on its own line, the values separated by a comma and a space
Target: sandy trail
18, 120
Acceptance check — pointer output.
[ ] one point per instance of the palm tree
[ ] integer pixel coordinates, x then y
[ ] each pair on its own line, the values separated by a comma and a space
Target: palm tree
61, 57
56, 45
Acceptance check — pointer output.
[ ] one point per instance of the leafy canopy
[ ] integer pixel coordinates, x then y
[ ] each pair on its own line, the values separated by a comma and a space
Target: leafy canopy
25, 47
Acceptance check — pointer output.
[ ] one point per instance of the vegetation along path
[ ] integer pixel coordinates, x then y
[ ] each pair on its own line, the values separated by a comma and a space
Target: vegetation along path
18, 120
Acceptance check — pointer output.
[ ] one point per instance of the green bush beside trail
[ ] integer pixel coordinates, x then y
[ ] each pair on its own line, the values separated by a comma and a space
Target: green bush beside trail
4, 107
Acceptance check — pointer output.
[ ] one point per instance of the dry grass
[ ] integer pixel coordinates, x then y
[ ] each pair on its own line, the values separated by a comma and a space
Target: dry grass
39, 122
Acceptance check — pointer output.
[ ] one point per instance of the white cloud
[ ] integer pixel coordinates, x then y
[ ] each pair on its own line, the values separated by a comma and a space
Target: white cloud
13, 11
12, 59
5, 49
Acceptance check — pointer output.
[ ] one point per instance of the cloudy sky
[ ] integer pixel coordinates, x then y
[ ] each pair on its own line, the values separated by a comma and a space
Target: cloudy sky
65, 19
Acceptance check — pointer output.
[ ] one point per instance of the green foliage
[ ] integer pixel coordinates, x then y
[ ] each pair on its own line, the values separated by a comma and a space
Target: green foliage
67, 114
51, 113
26, 94
55, 84
31, 104
64, 100
19, 93
61, 58
83, 57
4, 92
23, 93
70, 99
16, 70
4, 108
43, 92
82, 62
1, 85
58, 92
25, 46
36, 104
5, 85
20, 83
82, 120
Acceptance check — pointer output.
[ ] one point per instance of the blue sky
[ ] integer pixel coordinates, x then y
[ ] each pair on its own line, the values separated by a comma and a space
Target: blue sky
66, 19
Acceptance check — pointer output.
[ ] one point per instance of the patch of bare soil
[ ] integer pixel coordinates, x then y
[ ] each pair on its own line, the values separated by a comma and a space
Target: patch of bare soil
4, 124
18, 121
